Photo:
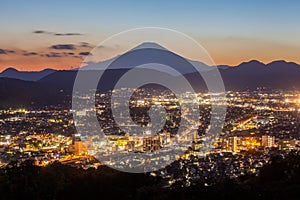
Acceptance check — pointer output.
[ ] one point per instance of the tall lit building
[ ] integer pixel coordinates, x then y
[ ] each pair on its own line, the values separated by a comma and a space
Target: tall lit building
151, 143
267, 141
75, 138
77, 147
165, 138
230, 144
233, 144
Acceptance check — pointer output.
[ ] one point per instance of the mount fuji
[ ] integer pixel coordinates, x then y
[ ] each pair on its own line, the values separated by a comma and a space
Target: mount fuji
143, 58
56, 86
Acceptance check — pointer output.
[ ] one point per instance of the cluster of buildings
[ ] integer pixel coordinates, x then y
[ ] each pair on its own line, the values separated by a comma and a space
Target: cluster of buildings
236, 144
145, 143
256, 121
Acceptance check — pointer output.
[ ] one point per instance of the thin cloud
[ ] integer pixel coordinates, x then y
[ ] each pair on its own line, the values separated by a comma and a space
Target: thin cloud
63, 47
5, 51
86, 45
86, 53
68, 53
52, 55
56, 34
41, 32
30, 54
58, 54
101, 47
2, 51
67, 34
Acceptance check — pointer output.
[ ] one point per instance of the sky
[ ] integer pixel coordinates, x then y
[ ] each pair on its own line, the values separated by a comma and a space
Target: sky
59, 34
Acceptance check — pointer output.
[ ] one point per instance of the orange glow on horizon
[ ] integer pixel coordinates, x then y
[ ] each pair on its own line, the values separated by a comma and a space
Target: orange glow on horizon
37, 64
40, 63
223, 51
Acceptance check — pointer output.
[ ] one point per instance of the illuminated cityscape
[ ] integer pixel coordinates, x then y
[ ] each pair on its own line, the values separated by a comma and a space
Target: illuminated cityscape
258, 125
149, 100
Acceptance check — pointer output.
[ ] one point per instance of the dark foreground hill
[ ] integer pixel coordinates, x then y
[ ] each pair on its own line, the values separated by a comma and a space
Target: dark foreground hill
278, 180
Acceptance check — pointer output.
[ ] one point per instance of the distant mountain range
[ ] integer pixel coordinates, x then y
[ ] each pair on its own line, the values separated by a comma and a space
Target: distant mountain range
25, 75
19, 88
250, 75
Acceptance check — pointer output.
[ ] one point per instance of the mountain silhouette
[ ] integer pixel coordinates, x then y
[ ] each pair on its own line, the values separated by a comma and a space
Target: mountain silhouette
150, 45
143, 58
54, 87
253, 74
25, 75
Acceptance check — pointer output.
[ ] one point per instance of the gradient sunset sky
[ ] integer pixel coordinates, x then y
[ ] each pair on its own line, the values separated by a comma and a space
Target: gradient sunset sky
54, 34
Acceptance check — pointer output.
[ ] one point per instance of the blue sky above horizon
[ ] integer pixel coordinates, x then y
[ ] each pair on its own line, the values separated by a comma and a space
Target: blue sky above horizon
232, 31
